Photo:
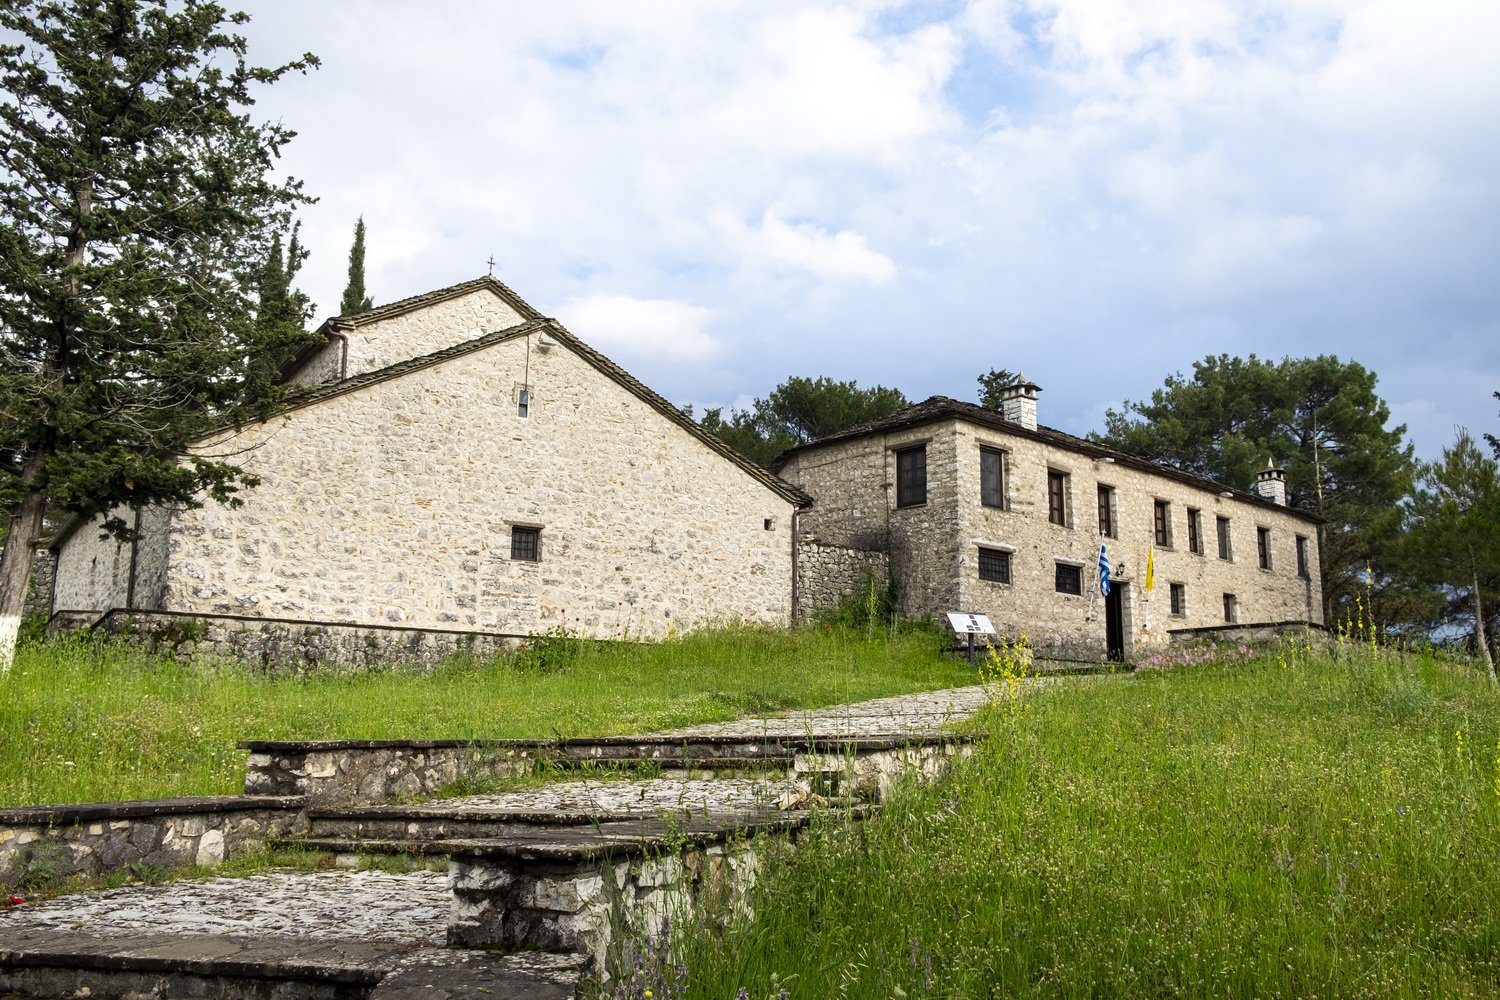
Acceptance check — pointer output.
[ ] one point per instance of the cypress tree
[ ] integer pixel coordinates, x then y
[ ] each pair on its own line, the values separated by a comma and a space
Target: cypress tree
355, 300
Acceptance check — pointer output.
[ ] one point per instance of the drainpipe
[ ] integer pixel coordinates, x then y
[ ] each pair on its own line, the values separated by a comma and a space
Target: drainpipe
343, 354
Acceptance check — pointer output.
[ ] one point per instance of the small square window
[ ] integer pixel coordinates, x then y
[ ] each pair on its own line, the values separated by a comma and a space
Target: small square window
1179, 600
526, 543
994, 565
911, 476
1069, 579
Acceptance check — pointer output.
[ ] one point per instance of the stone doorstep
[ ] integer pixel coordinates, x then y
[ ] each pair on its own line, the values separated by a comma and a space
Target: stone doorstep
379, 970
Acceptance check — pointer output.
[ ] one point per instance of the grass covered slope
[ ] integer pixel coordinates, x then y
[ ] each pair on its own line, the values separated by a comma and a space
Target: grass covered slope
1291, 826
85, 723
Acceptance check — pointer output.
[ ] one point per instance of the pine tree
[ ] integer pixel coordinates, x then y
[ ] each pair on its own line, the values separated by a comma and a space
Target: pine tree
355, 300
136, 217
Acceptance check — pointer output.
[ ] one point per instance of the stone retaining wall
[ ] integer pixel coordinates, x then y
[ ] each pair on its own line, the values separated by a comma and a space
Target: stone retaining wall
288, 646
1250, 635
46, 843
355, 771
827, 574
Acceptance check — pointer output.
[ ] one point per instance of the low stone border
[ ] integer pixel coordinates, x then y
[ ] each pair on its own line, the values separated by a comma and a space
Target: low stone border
45, 843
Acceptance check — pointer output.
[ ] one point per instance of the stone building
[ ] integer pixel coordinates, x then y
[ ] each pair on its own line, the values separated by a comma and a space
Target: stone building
984, 511
456, 463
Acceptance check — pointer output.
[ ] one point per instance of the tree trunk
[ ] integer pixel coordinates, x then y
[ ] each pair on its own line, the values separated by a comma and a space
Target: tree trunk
1480, 638
17, 557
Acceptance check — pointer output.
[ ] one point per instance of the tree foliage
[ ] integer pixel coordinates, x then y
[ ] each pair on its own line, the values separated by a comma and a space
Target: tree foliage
137, 213
355, 300
1453, 536
1321, 420
992, 386
798, 411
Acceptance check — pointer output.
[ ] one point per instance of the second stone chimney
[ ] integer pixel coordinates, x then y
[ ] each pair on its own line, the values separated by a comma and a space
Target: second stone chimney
1270, 484
1018, 403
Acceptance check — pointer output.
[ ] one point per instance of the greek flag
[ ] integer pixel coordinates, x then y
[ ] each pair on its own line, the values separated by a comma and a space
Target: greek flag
1103, 571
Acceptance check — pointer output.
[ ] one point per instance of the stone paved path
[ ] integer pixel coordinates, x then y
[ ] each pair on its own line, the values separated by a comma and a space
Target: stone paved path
413, 908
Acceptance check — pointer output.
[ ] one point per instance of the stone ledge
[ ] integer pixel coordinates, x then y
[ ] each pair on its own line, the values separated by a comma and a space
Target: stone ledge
71, 814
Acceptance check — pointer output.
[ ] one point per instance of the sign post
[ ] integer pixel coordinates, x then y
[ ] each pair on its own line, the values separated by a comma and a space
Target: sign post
970, 625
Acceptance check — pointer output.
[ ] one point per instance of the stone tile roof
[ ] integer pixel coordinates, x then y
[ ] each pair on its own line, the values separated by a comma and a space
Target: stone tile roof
604, 365
939, 408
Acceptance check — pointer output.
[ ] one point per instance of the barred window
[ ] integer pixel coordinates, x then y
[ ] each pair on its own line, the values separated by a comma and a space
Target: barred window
526, 543
1069, 579
1179, 599
994, 565
911, 476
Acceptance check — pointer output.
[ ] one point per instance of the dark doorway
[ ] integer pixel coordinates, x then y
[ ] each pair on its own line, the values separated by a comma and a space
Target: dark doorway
1114, 623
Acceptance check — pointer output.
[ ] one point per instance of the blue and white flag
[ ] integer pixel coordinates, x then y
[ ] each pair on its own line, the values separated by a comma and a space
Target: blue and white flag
1103, 571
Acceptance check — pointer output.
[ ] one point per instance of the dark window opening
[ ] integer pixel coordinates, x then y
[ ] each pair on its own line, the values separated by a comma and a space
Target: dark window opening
1226, 551
1069, 579
1195, 530
992, 477
523, 403
1163, 522
1304, 570
1057, 497
994, 565
1179, 599
1107, 511
1263, 547
911, 476
1231, 609
526, 543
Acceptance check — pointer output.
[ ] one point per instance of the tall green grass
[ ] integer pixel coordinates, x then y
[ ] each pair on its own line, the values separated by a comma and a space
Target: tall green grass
85, 722
1294, 825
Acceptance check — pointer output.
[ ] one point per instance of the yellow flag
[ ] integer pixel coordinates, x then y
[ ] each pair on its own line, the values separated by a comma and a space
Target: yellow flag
1150, 570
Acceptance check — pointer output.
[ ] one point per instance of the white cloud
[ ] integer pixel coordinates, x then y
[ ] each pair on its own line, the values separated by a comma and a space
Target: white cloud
629, 327
779, 246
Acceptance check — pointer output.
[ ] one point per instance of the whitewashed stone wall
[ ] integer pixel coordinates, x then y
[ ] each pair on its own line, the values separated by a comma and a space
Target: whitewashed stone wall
935, 547
394, 504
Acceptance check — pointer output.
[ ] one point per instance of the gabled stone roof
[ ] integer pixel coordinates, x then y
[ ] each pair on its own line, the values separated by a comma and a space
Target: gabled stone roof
939, 408
353, 321
560, 333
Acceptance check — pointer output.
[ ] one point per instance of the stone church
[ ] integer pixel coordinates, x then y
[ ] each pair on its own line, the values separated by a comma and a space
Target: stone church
456, 463
456, 471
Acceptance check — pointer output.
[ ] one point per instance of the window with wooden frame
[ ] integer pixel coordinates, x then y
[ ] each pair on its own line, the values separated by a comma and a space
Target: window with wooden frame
994, 565
911, 476
1179, 600
1195, 530
992, 477
1057, 497
1162, 521
1069, 579
1226, 546
525, 543
1107, 511
1263, 547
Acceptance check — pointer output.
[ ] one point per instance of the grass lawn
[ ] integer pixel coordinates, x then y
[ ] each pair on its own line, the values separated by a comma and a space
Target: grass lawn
87, 723
1294, 825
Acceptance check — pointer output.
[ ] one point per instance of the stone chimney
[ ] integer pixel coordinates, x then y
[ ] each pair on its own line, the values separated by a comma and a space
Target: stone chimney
1018, 402
1270, 484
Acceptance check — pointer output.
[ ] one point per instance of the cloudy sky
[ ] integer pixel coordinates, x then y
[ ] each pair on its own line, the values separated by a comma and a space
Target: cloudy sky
722, 194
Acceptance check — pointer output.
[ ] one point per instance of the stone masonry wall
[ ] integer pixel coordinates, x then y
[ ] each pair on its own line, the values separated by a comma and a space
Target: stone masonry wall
46, 843
93, 573
827, 574
428, 329
395, 505
39, 594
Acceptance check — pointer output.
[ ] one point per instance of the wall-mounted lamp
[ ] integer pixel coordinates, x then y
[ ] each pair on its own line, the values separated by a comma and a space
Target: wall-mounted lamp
544, 342
1226, 495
